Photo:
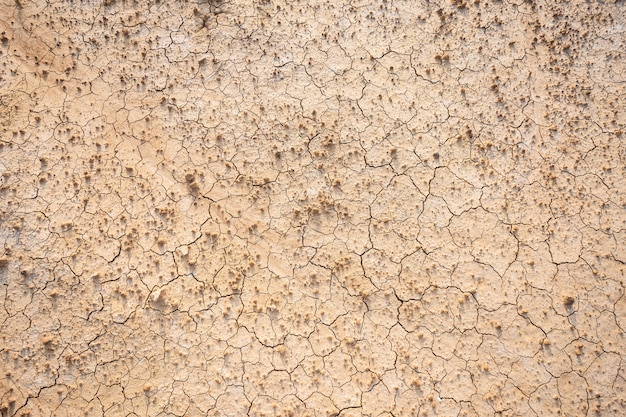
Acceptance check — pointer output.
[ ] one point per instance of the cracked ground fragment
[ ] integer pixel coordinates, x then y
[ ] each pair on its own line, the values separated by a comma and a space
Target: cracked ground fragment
312, 208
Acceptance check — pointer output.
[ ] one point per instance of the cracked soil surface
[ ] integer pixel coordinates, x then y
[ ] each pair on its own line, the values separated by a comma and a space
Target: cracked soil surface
312, 208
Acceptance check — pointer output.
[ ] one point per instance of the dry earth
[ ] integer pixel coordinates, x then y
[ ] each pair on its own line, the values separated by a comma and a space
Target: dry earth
312, 208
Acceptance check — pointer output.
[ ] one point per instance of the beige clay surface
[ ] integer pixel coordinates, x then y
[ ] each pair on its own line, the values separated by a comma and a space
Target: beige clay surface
312, 208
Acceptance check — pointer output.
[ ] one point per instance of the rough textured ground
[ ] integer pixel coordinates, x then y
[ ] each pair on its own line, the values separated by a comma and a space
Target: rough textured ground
268, 207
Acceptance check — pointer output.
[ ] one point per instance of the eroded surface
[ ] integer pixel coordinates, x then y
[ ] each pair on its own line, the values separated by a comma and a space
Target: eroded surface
312, 208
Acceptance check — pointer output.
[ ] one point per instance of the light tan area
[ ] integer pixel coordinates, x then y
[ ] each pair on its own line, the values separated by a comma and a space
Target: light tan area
312, 208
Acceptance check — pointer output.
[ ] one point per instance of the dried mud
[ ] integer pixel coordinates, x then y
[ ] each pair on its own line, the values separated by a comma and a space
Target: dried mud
312, 208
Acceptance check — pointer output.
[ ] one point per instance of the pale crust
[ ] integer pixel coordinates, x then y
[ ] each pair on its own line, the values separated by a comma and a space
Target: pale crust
311, 208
